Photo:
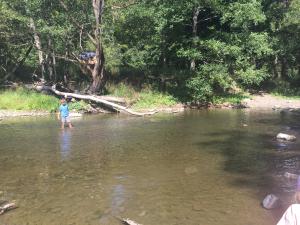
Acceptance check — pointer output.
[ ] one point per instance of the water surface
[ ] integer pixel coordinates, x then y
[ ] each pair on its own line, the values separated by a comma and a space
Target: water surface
196, 168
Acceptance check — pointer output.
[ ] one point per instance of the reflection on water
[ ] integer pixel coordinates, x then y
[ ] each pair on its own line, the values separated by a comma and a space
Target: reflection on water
65, 143
194, 168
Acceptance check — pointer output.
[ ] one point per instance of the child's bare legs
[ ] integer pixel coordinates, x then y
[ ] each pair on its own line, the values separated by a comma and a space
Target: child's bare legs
62, 125
70, 125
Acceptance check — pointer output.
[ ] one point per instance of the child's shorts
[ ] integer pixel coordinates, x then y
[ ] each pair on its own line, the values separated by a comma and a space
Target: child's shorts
65, 119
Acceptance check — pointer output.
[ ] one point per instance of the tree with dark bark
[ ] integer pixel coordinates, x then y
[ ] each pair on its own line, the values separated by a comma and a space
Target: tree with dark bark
96, 71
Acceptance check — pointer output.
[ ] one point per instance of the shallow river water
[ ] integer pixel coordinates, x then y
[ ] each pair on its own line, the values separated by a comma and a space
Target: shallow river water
195, 168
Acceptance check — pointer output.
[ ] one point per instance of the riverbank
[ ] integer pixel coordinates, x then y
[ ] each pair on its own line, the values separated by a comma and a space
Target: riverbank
269, 101
21, 113
22, 103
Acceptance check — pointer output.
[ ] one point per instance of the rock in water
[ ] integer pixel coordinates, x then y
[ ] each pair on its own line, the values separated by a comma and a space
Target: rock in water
286, 137
291, 175
75, 114
130, 222
190, 170
271, 201
7, 207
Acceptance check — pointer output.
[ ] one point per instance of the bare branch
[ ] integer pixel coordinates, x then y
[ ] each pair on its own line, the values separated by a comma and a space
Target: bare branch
65, 58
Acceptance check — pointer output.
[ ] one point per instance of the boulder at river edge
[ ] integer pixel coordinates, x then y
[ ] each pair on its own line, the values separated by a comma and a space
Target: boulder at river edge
271, 201
286, 137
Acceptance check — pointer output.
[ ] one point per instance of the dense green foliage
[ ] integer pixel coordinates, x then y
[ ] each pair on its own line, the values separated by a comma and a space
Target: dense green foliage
191, 49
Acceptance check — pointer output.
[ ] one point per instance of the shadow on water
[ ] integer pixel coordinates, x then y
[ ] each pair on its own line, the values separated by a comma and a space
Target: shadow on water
257, 159
194, 168
245, 155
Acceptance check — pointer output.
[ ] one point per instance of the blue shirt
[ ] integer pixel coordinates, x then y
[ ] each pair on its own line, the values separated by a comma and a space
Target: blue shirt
64, 110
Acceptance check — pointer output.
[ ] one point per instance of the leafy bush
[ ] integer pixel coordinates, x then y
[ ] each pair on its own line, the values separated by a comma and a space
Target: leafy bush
200, 89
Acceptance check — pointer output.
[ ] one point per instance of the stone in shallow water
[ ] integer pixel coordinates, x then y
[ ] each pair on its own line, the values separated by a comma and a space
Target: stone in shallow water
291, 175
190, 170
271, 201
286, 137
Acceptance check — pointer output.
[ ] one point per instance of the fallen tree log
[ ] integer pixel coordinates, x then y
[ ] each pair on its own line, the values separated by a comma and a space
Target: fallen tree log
46, 88
93, 98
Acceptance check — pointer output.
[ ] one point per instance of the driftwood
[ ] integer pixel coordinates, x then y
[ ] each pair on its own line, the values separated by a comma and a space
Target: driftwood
7, 207
99, 100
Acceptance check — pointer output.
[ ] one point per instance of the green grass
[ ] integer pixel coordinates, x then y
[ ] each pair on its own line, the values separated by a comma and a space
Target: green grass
230, 98
22, 99
150, 99
78, 106
122, 90
143, 99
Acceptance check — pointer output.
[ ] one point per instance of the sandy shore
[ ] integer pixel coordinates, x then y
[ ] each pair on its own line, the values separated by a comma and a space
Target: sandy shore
267, 101
21, 113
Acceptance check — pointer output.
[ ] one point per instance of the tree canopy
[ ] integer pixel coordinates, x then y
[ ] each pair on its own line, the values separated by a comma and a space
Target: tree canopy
190, 48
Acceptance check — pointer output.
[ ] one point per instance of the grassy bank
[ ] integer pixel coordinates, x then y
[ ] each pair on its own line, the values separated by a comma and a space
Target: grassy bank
22, 99
141, 99
230, 98
146, 98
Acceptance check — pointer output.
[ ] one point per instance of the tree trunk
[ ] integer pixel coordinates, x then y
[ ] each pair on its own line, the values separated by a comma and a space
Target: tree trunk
98, 73
51, 62
38, 45
284, 67
195, 30
275, 70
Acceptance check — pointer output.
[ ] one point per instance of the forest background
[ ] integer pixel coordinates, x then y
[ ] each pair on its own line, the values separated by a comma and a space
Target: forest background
177, 50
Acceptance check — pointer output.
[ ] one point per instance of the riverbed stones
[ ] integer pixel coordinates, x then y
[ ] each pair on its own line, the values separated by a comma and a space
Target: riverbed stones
271, 201
286, 137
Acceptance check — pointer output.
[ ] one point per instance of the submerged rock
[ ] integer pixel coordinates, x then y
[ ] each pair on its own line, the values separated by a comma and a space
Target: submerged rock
271, 201
286, 137
291, 175
190, 170
75, 114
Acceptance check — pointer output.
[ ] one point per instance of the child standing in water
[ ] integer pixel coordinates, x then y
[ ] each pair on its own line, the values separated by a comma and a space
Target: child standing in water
63, 114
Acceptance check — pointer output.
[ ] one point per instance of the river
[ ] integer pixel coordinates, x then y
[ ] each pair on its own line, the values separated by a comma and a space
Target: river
209, 167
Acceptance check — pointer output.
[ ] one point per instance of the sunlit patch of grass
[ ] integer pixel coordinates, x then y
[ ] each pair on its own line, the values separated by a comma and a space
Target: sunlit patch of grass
230, 98
22, 99
150, 99
143, 99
